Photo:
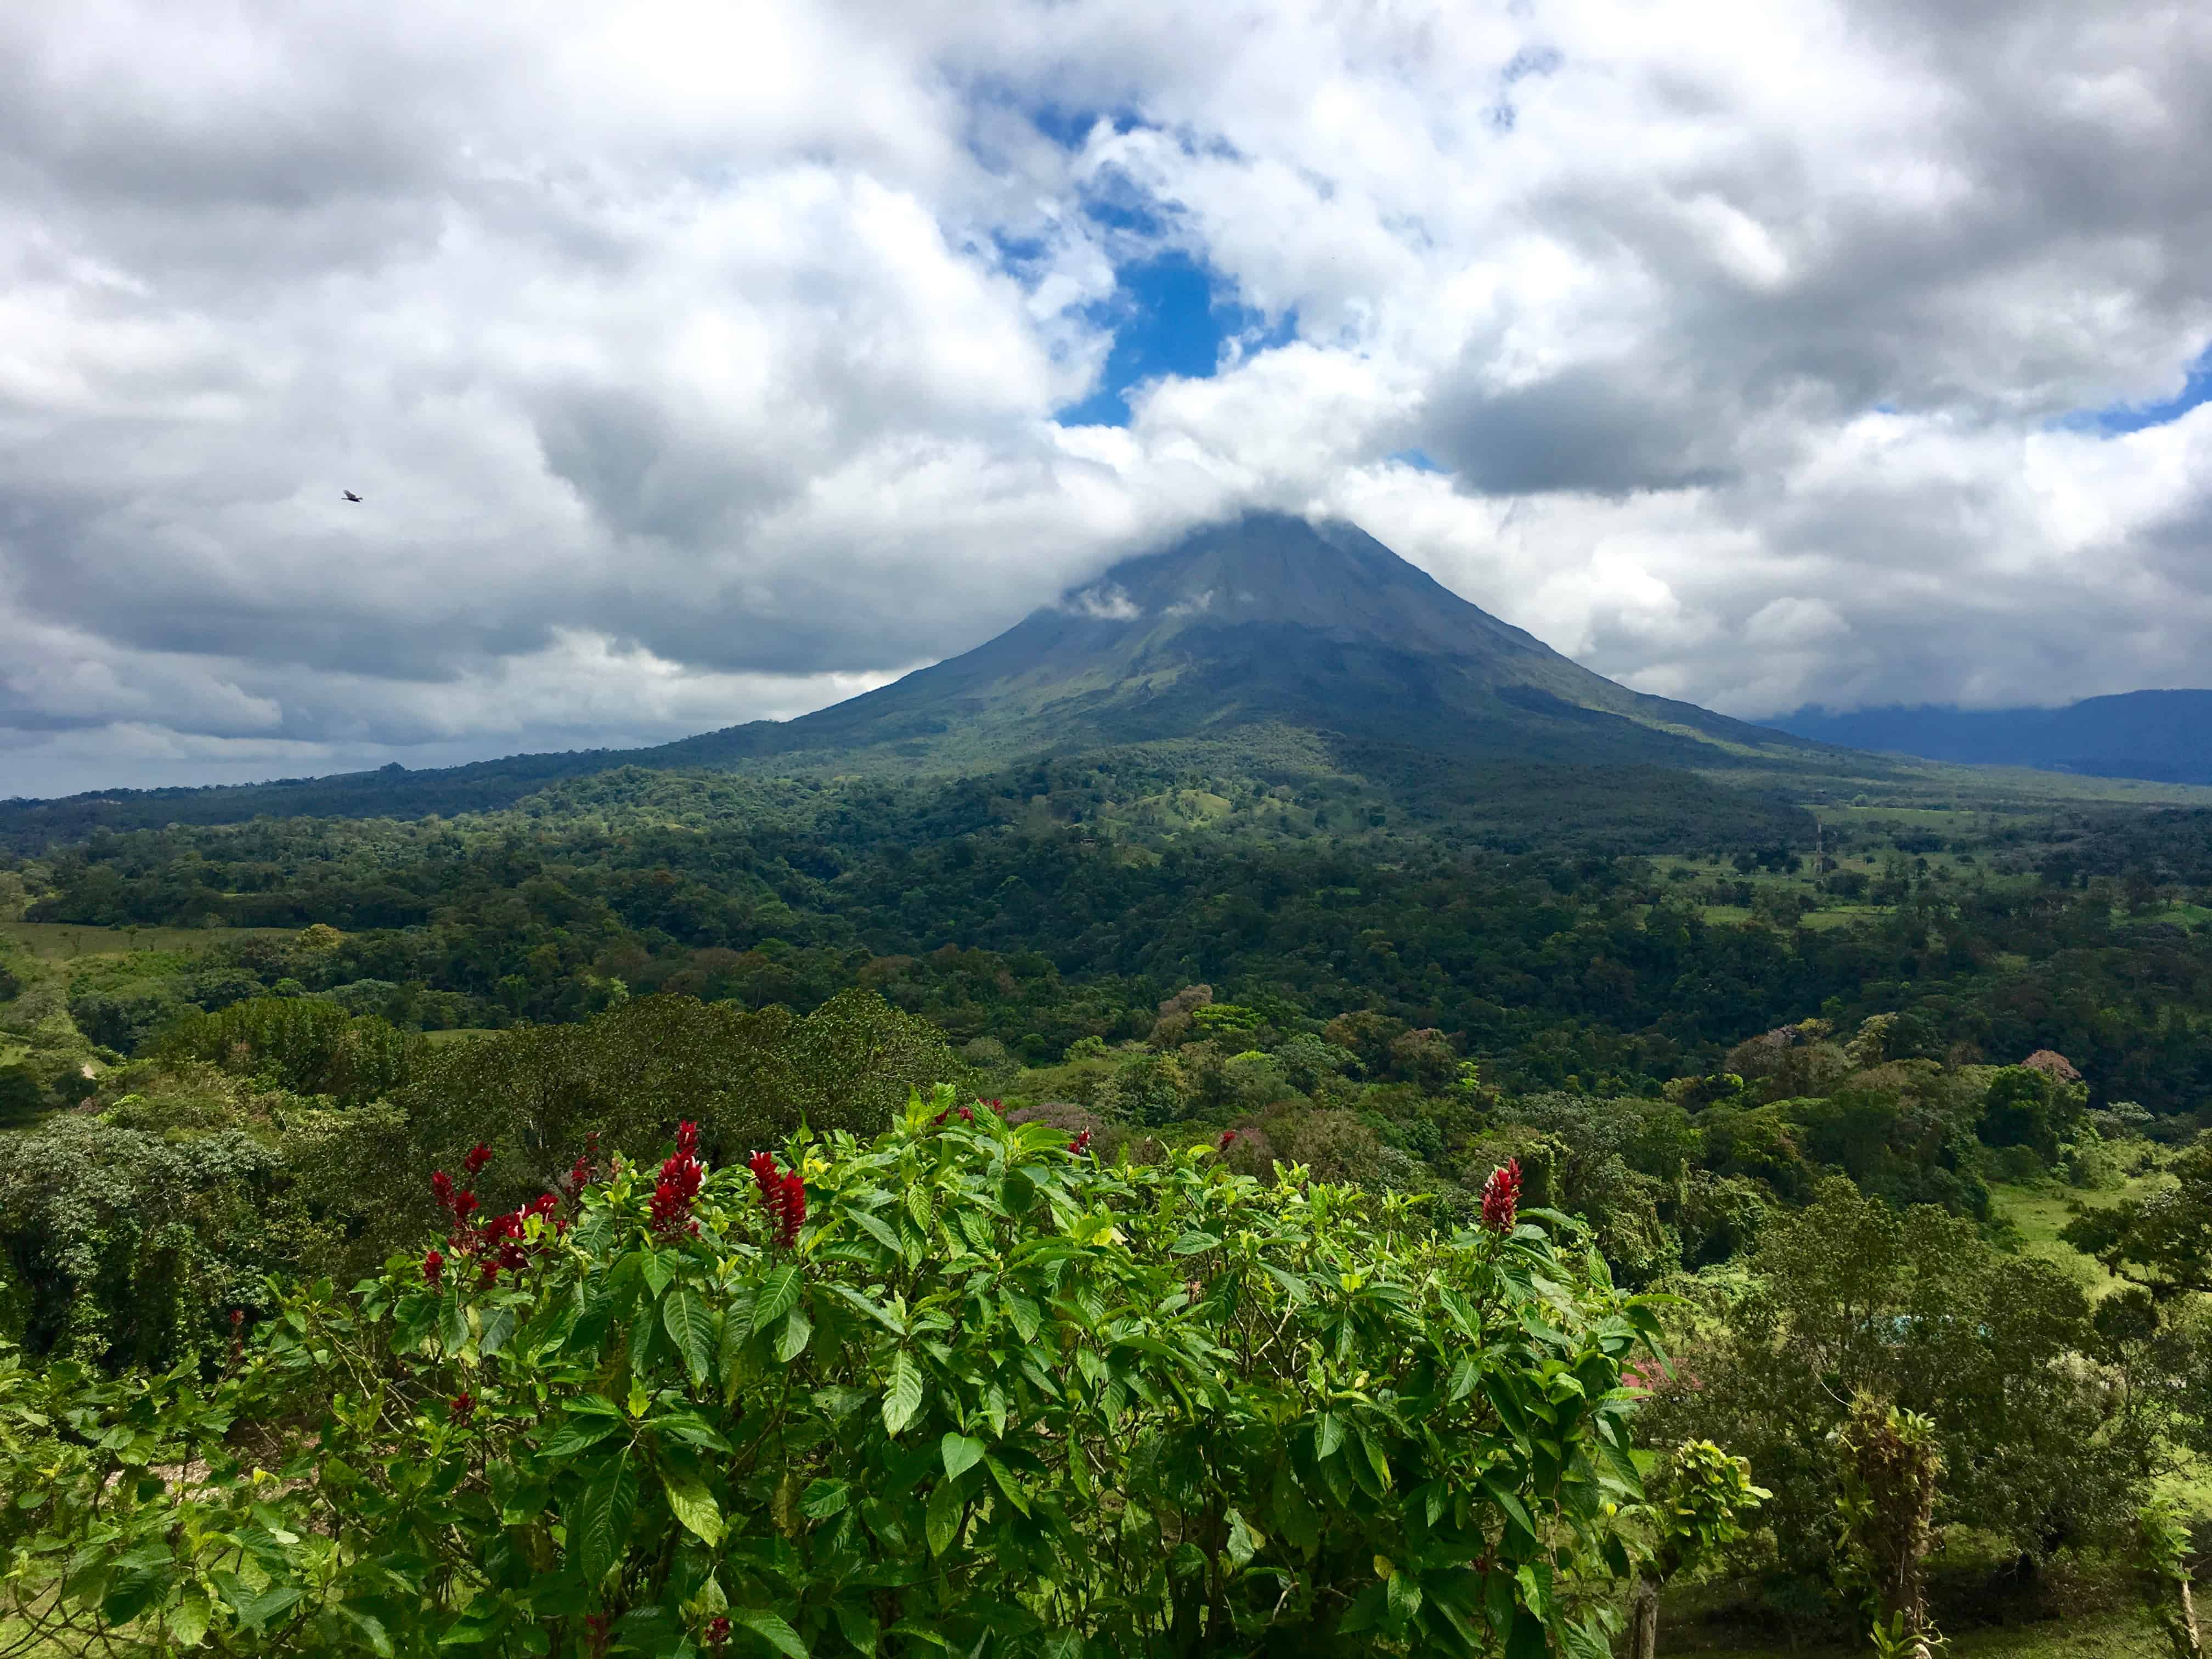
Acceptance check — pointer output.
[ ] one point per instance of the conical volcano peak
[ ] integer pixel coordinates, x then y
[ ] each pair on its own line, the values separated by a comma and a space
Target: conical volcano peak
1277, 569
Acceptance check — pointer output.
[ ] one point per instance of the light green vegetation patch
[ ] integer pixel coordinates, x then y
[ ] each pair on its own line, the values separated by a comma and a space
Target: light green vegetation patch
69, 941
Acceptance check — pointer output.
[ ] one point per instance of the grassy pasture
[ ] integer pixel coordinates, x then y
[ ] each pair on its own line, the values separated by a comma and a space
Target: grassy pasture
65, 942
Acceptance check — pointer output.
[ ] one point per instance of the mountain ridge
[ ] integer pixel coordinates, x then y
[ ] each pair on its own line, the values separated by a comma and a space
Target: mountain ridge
2163, 737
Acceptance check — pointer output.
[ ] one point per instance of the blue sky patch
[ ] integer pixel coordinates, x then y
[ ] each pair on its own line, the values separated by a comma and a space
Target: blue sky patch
1170, 315
2195, 388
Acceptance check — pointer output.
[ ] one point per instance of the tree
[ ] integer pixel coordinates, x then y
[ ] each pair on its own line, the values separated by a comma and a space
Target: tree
1890, 1468
1700, 1498
1849, 1298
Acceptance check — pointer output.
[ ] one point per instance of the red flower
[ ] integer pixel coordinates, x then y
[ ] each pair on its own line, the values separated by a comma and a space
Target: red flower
791, 1209
783, 1196
966, 1116
464, 1407
1501, 1197
680, 1178
1082, 1143
434, 1267
237, 1317
718, 1631
1228, 1139
763, 1165
479, 1155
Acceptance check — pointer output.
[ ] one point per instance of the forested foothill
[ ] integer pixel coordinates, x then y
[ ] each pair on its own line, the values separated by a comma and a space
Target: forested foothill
1280, 1206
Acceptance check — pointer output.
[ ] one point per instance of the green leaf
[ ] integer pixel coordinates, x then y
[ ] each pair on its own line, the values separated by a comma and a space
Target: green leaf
903, 1398
694, 1506
824, 1499
858, 1626
599, 1532
453, 1323
877, 1228
373, 1631
256, 1611
1508, 1500
1007, 1484
942, 1521
690, 1326
188, 1620
659, 1269
792, 1341
1023, 1313
1328, 1434
1243, 1544
771, 1629
779, 1294
575, 1436
1405, 1598
961, 1453
1195, 1243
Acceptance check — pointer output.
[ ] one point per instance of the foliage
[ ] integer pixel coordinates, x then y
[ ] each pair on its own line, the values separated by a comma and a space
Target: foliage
129, 1247
1890, 1467
303, 1044
991, 1396
2167, 1589
2162, 1241
2044, 1447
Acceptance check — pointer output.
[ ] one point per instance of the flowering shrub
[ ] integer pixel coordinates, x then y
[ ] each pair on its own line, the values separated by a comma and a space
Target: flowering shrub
962, 1388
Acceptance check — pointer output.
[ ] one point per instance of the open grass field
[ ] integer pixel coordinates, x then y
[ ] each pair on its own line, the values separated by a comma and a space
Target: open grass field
67, 941
2041, 1211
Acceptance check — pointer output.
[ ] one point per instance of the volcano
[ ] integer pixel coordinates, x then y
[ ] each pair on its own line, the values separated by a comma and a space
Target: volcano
1265, 619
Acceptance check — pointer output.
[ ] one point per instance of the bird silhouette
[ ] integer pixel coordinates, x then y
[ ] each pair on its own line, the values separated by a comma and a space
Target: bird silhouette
350, 496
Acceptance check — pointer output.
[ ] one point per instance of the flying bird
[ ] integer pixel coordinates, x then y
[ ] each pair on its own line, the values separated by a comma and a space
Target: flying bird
350, 496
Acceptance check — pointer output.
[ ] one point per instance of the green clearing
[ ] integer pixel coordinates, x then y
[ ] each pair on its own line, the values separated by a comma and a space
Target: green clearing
2040, 1211
69, 941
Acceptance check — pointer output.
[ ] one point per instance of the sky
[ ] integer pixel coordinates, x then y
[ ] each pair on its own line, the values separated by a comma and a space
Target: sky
698, 363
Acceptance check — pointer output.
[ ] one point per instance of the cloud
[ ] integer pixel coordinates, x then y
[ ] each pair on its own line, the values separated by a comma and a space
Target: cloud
698, 364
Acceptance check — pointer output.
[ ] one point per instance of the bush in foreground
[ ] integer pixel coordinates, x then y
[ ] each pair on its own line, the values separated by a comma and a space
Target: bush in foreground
963, 1389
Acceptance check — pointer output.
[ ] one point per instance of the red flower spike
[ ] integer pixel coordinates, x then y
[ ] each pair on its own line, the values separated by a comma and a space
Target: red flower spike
718, 1631
441, 1187
791, 1209
464, 1407
1228, 1139
479, 1155
1501, 1198
681, 1175
966, 1116
434, 1267
1082, 1143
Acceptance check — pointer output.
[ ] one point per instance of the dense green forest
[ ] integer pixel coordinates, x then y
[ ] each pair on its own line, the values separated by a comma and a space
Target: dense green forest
1864, 1132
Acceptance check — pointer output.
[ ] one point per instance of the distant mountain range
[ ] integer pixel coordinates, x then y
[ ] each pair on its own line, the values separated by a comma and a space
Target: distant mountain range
2164, 735
1267, 620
